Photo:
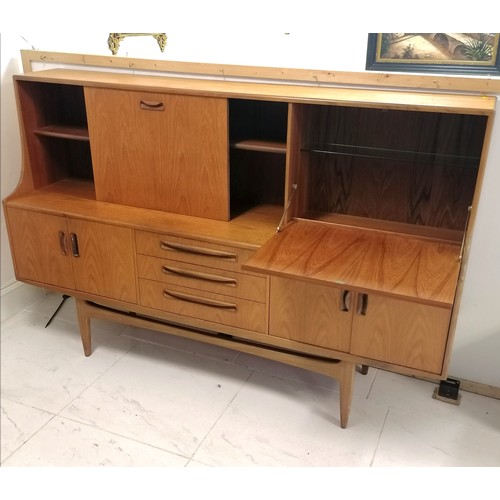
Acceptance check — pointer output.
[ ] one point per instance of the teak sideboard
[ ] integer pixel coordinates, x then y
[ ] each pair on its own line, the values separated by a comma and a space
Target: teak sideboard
319, 226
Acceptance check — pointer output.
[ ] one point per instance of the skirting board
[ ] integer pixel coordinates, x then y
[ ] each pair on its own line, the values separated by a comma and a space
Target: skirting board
481, 389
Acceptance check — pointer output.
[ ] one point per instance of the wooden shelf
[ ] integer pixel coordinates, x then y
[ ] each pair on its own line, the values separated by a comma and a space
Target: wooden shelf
262, 146
393, 154
64, 132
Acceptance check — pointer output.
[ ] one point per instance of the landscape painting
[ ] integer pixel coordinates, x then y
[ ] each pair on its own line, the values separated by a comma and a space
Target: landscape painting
460, 53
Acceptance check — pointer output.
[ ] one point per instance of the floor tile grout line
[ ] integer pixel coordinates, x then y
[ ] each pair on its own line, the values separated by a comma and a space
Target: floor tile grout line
379, 437
104, 372
223, 412
123, 436
32, 435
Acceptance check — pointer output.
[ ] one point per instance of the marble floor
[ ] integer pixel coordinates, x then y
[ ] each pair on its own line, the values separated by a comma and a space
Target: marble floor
146, 399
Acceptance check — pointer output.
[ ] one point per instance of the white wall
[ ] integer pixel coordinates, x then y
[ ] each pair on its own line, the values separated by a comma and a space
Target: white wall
298, 35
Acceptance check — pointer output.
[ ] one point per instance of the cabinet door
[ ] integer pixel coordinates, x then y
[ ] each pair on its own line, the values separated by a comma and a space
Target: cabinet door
40, 248
400, 332
103, 259
313, 314
160, 151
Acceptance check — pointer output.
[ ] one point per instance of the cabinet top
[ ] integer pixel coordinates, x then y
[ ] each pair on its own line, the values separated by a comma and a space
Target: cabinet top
310, 94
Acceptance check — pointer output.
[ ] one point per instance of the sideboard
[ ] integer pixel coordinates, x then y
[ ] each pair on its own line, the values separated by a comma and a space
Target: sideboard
319, 226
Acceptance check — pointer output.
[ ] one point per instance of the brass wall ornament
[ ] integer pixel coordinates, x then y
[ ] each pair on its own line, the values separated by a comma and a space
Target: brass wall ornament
114, 40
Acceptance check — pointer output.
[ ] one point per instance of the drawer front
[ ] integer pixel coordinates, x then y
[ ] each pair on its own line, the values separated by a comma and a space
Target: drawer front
221, 281
230, 311
191, 251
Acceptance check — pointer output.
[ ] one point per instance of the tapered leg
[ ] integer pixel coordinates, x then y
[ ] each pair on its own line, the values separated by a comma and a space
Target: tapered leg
346, 381
84, 324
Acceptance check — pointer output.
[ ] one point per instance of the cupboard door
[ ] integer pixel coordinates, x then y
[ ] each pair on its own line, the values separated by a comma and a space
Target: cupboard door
103, 259
314, 314
400, 332
40, 248
160, 151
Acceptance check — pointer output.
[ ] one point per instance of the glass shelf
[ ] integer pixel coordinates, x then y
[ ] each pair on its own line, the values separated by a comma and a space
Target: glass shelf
393, 154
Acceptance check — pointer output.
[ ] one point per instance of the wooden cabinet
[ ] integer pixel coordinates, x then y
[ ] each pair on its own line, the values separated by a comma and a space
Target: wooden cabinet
313, 314
400, 332
319, 226
103, 259
40, 248
73, 254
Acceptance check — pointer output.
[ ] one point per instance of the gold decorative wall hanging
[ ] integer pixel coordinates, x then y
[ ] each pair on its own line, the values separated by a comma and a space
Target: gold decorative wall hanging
114, 40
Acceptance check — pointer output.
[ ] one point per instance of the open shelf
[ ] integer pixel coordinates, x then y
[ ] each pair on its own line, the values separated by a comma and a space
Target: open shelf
260, 145
393, 154
64, 132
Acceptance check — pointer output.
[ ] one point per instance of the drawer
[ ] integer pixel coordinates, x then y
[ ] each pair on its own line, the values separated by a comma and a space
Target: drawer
190, 250
230, 311
221, 281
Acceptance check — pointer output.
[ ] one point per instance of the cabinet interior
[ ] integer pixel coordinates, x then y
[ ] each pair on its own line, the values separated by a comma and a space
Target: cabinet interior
409, 168
257, 135
55, 120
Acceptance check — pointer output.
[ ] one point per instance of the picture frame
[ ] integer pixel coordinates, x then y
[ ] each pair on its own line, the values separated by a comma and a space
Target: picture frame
455, 53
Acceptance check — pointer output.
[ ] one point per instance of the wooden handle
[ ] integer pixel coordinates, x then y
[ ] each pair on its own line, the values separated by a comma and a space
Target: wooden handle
208, 252
200, 300
62, 243
74, 245
346, 301
199, 275
362, 304
152, 105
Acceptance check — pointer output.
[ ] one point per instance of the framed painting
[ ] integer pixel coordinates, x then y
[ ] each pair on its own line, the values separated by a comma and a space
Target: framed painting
458, 53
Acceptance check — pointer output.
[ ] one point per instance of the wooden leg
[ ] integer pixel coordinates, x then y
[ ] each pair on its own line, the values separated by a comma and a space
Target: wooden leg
84, 324
346, 379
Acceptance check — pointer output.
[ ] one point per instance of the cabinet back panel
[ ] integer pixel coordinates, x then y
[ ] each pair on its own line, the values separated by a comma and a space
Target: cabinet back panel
256, 178
419, 194
261, 120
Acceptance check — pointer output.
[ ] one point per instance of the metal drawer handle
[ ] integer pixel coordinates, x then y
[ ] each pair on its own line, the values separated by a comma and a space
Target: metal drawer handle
200, 300
152, 105
207, 252
198, 275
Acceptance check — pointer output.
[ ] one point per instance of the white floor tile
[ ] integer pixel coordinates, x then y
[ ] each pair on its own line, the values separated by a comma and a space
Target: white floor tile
422, 439
278, 422
169, 399
45, 367
18, 423
406, 393
71, 444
